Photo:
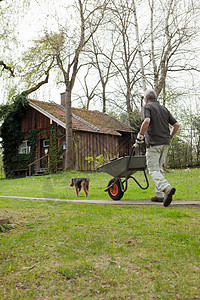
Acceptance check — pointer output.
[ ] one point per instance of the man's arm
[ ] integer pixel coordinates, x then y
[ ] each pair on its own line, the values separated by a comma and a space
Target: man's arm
174, 129
144, 126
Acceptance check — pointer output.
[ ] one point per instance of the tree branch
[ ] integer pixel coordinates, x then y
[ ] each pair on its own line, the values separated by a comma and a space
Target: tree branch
37, 86
7, 67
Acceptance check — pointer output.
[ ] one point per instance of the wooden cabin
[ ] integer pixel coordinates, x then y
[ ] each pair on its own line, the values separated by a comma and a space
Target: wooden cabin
95, 135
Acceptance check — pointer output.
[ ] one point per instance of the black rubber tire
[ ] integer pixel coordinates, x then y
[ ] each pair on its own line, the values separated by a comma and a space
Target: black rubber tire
115, 192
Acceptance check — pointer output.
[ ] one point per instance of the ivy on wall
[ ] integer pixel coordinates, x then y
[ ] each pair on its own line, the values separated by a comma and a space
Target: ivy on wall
54, 151
32, 143
32, 138
12, 136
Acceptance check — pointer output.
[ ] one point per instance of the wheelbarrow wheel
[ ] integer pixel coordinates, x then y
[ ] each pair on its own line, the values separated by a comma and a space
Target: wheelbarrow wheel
115, 192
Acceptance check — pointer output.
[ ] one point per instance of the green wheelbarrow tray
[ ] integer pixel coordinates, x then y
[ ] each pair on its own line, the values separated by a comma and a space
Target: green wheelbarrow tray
117, 167
124, 167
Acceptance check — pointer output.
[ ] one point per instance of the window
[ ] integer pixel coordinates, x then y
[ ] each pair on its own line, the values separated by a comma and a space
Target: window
24, 148
45, 143
64, 145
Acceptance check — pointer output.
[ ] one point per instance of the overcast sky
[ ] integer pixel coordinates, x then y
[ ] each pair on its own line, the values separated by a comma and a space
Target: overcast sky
42, 14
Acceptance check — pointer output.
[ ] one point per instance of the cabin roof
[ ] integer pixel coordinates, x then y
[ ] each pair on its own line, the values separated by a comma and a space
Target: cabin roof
82, 119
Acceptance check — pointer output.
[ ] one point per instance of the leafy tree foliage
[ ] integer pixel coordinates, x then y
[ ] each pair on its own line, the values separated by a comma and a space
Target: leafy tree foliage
181, 154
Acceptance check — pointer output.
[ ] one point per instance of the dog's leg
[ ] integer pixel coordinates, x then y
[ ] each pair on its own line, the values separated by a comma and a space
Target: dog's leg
77, 191
85, 188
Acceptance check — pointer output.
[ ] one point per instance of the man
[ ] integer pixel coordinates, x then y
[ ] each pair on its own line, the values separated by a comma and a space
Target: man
155, 127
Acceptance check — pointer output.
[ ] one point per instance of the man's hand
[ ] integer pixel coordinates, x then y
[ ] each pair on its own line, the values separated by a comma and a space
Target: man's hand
139, 140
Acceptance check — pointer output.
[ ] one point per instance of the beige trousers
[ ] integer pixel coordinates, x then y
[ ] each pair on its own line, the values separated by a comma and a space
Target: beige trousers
156, 157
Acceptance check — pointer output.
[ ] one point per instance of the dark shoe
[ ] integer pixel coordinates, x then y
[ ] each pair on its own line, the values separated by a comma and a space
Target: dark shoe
169, 192
157, 199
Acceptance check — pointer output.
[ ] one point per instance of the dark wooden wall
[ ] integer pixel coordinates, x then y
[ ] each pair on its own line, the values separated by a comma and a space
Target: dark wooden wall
34, 119
86, 144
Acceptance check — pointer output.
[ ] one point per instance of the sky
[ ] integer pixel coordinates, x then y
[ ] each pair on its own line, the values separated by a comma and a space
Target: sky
42, 14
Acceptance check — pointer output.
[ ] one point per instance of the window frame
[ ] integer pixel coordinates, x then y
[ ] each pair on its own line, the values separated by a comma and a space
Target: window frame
24, 148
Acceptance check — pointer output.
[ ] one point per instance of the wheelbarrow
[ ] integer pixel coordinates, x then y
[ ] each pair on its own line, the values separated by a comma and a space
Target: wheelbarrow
124, 167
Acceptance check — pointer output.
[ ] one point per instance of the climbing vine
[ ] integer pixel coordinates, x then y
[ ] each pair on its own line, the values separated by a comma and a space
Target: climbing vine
32, 141
12, 136
54, 151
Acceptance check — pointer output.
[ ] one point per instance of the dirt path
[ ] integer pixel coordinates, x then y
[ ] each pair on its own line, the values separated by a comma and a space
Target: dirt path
110, 202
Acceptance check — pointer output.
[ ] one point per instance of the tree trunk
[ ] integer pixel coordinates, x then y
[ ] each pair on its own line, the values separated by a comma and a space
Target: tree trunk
198, 150
69, 159
128, 106
139, 47
104, 97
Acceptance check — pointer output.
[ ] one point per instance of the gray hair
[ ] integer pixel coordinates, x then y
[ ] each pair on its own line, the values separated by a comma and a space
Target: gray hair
151, 95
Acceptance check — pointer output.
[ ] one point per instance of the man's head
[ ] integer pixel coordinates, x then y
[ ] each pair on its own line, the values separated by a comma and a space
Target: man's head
150, 95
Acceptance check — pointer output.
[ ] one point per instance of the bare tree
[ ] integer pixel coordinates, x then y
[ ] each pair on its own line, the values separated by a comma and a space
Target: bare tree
103, 59
90, 17
89, 89
125, 60
171, 30
139, 46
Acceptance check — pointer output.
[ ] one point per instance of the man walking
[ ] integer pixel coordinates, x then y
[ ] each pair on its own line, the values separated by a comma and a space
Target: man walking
155, 127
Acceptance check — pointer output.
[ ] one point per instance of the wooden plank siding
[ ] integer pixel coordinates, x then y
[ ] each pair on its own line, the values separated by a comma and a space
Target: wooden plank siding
34, 119
88, 144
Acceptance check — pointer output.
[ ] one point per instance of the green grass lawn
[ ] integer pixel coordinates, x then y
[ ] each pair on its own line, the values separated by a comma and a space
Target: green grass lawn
59, 250
57, 186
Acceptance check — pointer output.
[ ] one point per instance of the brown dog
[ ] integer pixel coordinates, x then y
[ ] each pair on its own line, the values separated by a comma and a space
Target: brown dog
80, 183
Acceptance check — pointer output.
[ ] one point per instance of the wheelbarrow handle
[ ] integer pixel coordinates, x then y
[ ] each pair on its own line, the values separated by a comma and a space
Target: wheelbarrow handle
132, 153
135, 145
